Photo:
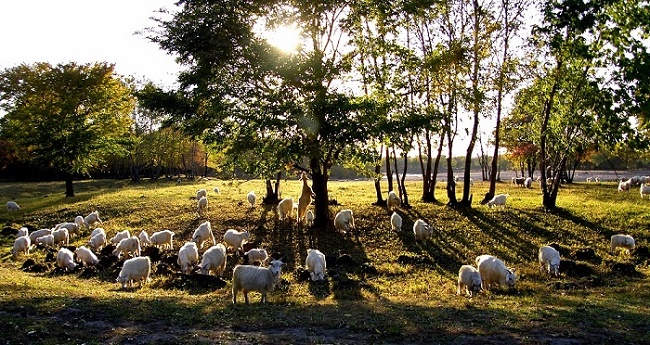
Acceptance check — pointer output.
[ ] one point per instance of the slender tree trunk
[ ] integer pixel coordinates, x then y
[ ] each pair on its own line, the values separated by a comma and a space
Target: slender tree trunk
380, 199
272, 194
405, 196
397, 179
319, 186
389, 173
69, 190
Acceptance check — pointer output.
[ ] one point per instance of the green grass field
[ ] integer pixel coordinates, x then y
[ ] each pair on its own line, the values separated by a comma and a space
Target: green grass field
397, 290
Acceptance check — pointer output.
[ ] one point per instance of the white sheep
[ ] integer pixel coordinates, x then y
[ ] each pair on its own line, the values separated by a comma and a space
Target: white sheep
65, 259
12, 206
87, 257
549, 260
144, 238
202, 206
39, 233
396, 222
47, 240
498, 201
393, 200
201, 193
315, 263
61, 236
644, 190
622, 241
257, 255
120, 236
98, 231
470, 279
251, 197
21, 245
528, 182
23, 232
188, 257
344, 220
129, 245
285, 208
98, 241
305, 198
163, 239
422, 230
72, 228
79, 220
214, 259
493, 270
135, 269
92, 219
310, 218
203, 233
624, 186
248, 278
235, 239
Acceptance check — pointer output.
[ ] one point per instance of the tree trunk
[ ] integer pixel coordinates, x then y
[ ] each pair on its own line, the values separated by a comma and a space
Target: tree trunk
380, 199
272, 194
389, 173
405, 196
321, 200
69, 190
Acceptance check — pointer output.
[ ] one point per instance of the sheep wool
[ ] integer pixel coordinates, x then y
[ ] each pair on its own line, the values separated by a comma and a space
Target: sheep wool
498, 201
214, 260
120, 236
247, 278
493, 270
203, 233
97, 242
21, 246
235, 239
87, 257
251, 198
396, 222
92, 219
622, 241
201, 193
23, 232
135, 269
469, 278
163, 239
310, 218
12, 206
285, 209
61, 236
47, 240
144, 238
257, 255
316, 265
305, 198
344, 220
549, 261
393, 200
39, 233
188, 256
129, 245
202, 206
65, 259
422, 230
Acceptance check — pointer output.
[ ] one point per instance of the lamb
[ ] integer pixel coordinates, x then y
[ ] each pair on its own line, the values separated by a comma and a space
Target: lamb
310, 218
12, 206
251, 198
23, 232
214, 259
470, 279
92, 219
135, 269
39, 233
305, 198
422, 230
644, 190
65, 259
61, 236
97, 242
257, 255
344, 220
393, 200
252, 278
130, 245
120, 236
188, 257
163, 239
98, 231
528, 182
396, 222
623, 186
79, 220
499, 201
21, 245
47, 240
201, 193
203, 233
549, 260
622, 241
315, 263
87, 257
72, 228
285, 208
144, 238
236, 239
493, 270
202, 206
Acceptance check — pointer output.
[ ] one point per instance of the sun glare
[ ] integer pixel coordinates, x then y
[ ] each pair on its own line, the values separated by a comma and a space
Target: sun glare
285, 37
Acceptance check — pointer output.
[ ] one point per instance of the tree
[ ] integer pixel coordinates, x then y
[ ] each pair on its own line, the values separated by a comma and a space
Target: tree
66, 117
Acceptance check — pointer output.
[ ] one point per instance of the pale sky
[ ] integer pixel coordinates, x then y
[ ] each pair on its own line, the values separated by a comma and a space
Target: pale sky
85, 31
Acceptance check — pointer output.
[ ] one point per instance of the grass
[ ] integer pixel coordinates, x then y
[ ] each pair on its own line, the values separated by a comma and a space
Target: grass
410, 298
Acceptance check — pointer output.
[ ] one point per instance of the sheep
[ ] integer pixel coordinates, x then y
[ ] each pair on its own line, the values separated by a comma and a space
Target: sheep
23, 232
248, 278
235, 239
79, 220
623, 186
203, 233
12, 206
598, 179
644, 190
92, 219
202, 206
214, 259
285, 208
201, 193
39, 233
549, 261
251, 198
528, 182
315, 263
499, 201
493, 270
310, 218
393, 200
422, 230
130, 245
518, 181
188, 257
470, 279
120, 236
61, 236
396, 222
135, 269
87, 257
47, 240
344, 220
144, 238
98, 231
589, 179
305, 198
163, 239
65, 259
97, 242
216, 190
21, 245
622, 241
257, 255
72, 228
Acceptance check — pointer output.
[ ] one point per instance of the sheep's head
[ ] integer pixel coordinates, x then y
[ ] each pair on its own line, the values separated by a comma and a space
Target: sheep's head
276, 267
317, 276
510, 278
554, 270
475, 288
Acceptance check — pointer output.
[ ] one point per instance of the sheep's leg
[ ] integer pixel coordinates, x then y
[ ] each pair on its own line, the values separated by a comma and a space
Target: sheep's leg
459, 288
246, 296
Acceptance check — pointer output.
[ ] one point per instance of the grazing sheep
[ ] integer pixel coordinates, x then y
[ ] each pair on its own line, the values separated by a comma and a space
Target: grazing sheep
98, 241
528, 182
21, 245
72, 228
257, 255
285, 208
248, 278
396, 222
201, 193
65, 259
98, 231
624, 186
79, 220
422, 230
202, 206
61, 236
163, 239
87, 257
144, 238
305, 198
315, 263
622, 241
310, 218
188, 257
39, 233
493, 270
12, 206
393, 200
92, 219
549, 261
344, 220
214, 259
120, 236
470, 279
135, 269
518, 181
251, 198
203, 233
499, 201
644, 190
23, 232
47, 240
235, 239
130, 245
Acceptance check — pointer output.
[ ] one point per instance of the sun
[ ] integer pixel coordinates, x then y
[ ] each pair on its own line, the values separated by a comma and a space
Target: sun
284, 37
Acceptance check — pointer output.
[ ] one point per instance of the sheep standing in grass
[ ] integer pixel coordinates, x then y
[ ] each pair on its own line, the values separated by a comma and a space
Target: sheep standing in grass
144, 238
98, 231
344, 220
528, 182
73, 228
305, 198
493, 270
498, 201
315, 263
47, 241
23, 232
247, 278
65, 259
12, 206
393, 200
162, 239
310, 218
39, 233
188, 257
257, 255
120, 236
396, 222
624, 186
129, 245
203, 233
251, 197
236, 239
470, 279
214, 259
285, 209
644, 190
549, 261
21, 245
81, 223
98, 241
92, 219
61, 236
201, 193
422, 230
87, 257
202, 206
135, 269
622, 241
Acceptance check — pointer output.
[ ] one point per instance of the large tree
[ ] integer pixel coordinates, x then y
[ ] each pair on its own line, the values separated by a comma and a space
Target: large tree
67, 116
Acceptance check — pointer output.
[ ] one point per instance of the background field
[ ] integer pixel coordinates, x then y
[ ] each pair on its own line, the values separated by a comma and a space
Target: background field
394, 290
